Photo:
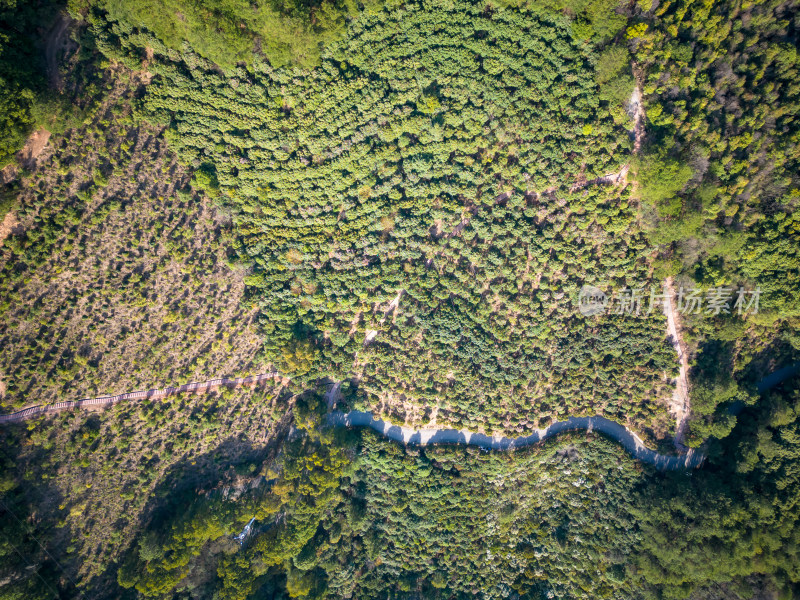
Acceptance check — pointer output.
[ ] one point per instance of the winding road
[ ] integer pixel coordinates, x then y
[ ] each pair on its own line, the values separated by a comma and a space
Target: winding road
619, 433
423, 437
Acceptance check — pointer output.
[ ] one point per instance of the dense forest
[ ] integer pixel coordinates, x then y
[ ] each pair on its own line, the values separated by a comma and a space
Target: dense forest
397, 206
346, 514
720, 179
482, 229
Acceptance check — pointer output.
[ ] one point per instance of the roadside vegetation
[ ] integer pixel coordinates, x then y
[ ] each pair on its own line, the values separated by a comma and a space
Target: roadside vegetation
119, 279
77, 487
404, 199
454, 164
719, 182
348, 514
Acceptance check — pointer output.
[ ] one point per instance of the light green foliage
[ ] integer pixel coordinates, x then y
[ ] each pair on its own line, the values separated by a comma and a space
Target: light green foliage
161, 558
769, 256
292, 506
613, 75
661, 179
84, 483
439, 154
596, 20
230, 31
206, 179
436, 521
299, 357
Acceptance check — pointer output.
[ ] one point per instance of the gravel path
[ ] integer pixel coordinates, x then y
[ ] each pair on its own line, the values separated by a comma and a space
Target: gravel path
198, 387
680, 404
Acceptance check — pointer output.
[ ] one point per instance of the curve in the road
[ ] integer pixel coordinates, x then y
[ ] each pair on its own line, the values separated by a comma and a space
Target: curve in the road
422, 437
629, 440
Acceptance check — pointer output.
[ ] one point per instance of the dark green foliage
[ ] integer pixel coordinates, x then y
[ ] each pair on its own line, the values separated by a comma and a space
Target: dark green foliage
575, 518
735, 519
27, 572
614, 75
39, 87
661, 179
722, 98
439, 522
22, 74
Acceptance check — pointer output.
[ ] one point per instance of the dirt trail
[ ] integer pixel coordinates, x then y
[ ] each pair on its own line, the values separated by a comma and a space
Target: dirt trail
371, 334
33, 147
636, 112
8, 174
679, 404
433, 435
405, 435
618, 178
199, 387
392, 306
333, 395
56, 42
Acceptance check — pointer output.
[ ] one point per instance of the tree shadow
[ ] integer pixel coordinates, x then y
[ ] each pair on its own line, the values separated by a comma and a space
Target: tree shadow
35, 563
229, 469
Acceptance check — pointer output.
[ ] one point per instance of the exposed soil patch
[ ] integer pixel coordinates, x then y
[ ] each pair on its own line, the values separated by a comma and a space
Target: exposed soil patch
636, 112
33, 147
679, 403
8, 174
9, 225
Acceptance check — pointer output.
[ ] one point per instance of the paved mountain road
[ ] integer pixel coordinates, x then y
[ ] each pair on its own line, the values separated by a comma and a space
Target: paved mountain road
422, 437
